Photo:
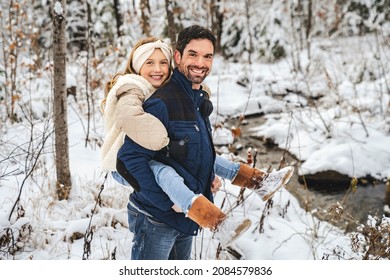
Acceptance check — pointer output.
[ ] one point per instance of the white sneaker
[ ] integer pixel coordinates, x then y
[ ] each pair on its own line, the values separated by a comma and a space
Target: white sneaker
231, 229
273, 182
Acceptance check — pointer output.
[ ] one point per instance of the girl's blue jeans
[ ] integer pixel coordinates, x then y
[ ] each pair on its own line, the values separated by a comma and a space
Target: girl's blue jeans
173, 185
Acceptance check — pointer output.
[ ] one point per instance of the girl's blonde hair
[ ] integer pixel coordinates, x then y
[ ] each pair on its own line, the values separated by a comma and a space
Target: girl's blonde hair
129, 68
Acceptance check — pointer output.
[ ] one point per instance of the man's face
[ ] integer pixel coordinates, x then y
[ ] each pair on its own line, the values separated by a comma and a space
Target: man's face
196, 61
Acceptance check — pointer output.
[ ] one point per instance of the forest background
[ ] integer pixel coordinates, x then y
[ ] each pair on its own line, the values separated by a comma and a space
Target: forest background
94, 42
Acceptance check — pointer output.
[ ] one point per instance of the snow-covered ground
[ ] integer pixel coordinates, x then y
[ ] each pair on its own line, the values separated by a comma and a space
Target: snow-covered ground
347, 131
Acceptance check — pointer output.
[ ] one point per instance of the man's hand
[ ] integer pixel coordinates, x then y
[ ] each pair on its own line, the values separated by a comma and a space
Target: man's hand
216, 185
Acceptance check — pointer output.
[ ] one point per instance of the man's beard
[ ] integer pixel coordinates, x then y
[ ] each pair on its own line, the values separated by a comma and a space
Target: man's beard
196, 78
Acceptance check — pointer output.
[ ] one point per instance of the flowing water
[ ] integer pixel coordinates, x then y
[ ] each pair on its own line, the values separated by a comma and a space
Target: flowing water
367, 199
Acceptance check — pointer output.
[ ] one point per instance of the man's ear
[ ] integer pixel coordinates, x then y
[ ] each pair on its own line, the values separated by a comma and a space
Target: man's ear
177, 57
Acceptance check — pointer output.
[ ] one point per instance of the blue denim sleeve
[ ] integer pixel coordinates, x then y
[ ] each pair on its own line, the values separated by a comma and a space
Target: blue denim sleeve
225, 168
136, 161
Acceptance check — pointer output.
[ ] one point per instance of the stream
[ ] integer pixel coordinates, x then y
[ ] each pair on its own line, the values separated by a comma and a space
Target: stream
366, 199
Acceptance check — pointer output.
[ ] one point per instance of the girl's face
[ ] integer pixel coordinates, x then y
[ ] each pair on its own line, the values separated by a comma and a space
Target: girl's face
155, 69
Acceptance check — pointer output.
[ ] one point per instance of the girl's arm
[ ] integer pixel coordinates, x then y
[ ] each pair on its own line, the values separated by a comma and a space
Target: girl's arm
143, 128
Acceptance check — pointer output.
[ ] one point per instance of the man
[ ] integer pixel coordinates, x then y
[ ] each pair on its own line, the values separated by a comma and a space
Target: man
183, 108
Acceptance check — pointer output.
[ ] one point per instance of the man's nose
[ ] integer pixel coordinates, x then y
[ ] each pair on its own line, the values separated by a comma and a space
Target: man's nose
199, 61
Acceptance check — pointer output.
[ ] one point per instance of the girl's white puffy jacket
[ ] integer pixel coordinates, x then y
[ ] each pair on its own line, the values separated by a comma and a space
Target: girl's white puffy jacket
124, 115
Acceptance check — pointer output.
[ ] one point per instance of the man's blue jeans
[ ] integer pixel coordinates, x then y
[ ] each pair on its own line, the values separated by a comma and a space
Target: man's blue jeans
154, 240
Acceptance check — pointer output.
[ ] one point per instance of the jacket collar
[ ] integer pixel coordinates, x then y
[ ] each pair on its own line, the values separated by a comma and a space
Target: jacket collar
182, 80
179, 78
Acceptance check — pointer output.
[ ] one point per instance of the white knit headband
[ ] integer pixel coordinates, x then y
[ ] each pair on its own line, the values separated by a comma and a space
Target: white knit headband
143, 52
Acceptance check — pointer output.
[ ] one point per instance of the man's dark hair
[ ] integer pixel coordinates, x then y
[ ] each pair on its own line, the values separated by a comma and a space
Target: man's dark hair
193, 32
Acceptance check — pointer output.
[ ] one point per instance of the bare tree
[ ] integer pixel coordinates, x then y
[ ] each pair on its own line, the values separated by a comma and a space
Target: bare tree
118, 17
248, 9
171, 21
60, 101
12, 36
145, 17
217, 22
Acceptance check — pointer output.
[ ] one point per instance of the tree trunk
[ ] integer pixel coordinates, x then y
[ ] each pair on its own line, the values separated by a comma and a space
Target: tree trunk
248, 6
309, 27
145, 17
118, 17
171, 21
216, 23
60, 105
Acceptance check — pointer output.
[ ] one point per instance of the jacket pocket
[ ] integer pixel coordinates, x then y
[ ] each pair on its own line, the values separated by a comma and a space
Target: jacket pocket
178, 150
185, 145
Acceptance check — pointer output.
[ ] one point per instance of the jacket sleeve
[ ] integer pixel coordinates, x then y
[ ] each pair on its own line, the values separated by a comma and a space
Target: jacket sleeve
143, 128
135, 160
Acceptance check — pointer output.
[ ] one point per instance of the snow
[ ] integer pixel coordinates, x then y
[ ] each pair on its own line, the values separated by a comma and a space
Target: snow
348, 133
58, 8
